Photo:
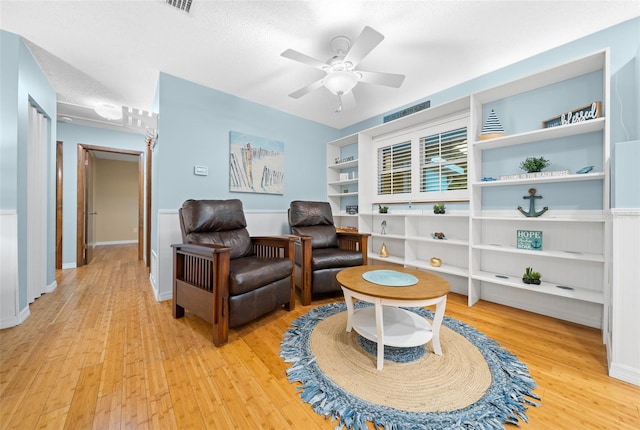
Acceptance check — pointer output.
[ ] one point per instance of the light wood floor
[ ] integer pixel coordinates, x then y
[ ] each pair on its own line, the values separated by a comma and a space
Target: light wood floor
100, 352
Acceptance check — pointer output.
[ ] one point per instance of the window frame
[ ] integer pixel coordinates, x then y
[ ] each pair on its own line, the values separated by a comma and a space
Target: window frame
414, 136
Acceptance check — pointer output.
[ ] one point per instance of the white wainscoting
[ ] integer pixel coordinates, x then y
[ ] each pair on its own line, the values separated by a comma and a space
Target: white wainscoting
9, 315
259, 223
624, 360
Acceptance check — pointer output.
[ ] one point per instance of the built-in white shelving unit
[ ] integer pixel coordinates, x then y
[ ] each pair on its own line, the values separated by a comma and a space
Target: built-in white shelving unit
574, 257
480, 248
343, 192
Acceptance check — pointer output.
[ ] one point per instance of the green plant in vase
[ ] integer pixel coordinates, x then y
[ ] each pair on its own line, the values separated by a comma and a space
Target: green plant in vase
533, 164
439, 208
531, 277
383, 209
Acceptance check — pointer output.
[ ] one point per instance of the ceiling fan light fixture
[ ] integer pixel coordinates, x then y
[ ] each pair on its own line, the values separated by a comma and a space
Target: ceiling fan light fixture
109, 111
341, 82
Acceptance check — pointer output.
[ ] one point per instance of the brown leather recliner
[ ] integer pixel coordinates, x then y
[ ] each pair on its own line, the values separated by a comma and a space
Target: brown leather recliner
321, 252
223, 275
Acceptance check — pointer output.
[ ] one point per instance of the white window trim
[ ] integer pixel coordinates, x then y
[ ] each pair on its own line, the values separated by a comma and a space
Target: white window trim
414, 134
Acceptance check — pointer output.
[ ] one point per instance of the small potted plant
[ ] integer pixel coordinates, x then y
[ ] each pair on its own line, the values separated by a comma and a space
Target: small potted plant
533, 164
383, 209
531, 277
439, 208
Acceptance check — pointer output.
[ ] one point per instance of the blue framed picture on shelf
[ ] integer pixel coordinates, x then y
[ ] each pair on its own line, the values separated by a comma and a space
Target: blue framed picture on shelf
529, 239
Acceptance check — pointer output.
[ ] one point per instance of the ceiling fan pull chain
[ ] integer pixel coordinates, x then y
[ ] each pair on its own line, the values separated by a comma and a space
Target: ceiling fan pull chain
339, 107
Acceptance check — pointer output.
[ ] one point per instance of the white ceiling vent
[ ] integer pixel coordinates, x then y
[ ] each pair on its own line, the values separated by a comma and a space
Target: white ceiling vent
183, 5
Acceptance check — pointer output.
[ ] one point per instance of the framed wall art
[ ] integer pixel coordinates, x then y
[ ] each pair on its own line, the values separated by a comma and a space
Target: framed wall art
256, 164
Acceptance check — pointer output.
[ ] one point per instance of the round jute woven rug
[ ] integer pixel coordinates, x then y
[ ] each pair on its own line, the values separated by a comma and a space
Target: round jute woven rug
431, 383
475, 384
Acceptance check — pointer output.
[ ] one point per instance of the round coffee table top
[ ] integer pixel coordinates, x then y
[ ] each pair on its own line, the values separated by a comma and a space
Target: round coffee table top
429, 286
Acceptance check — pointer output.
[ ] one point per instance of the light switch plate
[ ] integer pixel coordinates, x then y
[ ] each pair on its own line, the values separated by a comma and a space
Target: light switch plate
200, 170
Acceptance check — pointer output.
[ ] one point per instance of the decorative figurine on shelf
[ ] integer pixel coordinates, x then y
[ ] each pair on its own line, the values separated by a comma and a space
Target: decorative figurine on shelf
532, 205
439, 208
531, 277
492, 127
383, 224
533, 164
585, 170
384, 252
383, 209
438, 236
435, 262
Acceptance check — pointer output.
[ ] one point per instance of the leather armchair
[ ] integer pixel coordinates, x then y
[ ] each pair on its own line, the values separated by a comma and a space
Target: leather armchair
321, 251
223, 275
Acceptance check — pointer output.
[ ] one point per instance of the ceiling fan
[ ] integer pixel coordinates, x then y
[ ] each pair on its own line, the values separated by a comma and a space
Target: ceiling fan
341, 74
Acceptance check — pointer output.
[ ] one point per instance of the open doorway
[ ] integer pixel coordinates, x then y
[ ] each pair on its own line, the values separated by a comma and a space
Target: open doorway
86, 209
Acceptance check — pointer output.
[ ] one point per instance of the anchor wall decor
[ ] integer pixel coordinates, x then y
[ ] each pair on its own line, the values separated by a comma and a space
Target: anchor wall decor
532, 205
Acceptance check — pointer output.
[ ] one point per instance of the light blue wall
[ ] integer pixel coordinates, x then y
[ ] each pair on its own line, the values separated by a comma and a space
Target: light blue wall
194, 126
622, 40
9, 43
23, 82
71, 135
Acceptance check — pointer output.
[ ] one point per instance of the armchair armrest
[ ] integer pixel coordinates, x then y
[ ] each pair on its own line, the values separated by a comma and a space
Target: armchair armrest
201, 284
274, 246
203, 250
354, 241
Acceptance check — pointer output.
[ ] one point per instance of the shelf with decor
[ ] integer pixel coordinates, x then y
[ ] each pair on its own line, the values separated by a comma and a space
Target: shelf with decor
551, 288
409, 239
563, 208
543, 134
342, 181
541, 180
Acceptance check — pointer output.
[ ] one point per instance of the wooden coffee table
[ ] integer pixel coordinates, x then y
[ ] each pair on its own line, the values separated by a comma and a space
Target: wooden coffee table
385, 320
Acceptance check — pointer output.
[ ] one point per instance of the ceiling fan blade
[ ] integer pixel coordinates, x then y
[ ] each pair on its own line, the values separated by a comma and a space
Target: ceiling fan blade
303, 58
378, 78
306, 90
368, 39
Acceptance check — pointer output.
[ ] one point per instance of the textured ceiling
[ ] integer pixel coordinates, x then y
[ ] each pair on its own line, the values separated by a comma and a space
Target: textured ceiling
113, 51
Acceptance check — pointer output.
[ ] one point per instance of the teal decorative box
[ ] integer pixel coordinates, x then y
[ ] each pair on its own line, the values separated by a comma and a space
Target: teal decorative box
529, 239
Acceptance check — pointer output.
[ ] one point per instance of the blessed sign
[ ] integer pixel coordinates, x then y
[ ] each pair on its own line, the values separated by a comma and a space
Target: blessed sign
529, 239
582, 114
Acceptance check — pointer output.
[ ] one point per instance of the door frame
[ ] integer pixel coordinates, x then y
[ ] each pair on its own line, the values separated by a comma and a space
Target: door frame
59, 204
81, 216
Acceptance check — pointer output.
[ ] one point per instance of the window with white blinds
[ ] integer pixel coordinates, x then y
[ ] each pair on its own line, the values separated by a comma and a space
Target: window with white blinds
394, 169
443, 161
427, 163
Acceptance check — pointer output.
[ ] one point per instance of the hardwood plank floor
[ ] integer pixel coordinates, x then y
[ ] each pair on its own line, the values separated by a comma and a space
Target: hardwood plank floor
101, 353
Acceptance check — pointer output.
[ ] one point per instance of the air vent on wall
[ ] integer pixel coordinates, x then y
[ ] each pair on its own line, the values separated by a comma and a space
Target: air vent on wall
183, 5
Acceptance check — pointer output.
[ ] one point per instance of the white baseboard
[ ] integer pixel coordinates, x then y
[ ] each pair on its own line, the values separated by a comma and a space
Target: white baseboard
24, 314
625, 373
116, 242
68, 266
15, 320
51, 287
